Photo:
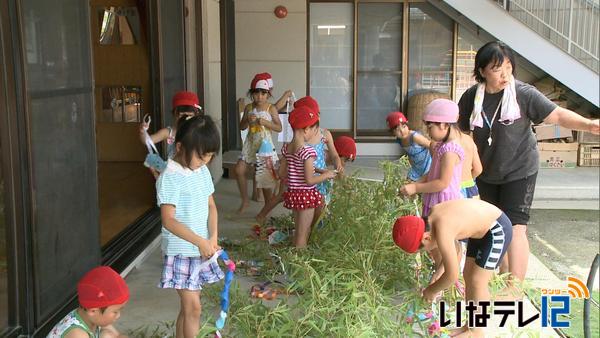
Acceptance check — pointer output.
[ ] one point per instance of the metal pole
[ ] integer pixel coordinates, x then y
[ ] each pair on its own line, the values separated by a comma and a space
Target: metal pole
569, 34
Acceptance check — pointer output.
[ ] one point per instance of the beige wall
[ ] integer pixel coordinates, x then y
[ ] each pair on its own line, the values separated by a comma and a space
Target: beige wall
264, 43
211, 56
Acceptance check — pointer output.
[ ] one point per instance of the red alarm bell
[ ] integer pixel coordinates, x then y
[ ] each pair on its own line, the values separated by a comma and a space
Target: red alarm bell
280, 12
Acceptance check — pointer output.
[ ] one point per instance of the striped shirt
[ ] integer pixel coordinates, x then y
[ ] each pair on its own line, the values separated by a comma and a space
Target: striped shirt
295, 163
189, 191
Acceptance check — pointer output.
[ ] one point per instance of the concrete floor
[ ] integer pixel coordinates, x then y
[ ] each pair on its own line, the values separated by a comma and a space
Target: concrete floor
150, 306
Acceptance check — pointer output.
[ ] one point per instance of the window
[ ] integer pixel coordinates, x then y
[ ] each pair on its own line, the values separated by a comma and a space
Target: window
429, 50
368, 58
468, 44
331, 48
379, 65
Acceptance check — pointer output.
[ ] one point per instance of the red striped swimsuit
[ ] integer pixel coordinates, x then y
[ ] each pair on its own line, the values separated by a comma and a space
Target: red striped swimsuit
299, 195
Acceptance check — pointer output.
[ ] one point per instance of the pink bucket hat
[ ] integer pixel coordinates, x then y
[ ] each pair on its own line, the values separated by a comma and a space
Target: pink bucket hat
441, 110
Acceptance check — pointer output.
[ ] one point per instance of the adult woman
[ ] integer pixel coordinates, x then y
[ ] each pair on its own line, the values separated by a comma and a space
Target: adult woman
499, 111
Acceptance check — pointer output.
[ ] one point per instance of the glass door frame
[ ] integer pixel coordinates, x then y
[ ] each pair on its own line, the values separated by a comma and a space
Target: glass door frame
14, 166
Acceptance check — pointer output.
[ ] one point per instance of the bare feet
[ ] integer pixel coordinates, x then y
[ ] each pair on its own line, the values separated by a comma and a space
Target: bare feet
470, 333
242, 207
458, 331
260, 219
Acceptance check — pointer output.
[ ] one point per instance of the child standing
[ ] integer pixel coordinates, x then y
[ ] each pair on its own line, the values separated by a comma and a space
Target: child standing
185, 104
443, 179
302, 197
322, 143
101, 293
413, 143
326, 153
489, 232
189, 218
261, 118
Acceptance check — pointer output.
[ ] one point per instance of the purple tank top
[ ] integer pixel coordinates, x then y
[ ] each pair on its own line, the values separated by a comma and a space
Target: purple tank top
452, 192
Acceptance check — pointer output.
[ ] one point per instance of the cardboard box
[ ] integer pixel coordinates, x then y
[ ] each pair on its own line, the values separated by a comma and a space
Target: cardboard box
589, 155
587, 137
551, 131
558, 155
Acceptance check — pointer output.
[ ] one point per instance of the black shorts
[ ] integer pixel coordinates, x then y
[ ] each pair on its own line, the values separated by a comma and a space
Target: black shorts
514, 198
489, 250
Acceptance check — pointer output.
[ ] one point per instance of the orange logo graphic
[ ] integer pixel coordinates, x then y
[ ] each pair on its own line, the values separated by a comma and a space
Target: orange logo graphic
575, 288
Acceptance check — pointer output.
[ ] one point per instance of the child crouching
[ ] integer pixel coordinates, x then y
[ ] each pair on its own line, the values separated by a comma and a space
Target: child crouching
489, 232
101, 293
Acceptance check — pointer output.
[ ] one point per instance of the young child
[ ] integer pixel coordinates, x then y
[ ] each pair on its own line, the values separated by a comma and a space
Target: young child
102, 293
322, 143
261, 118
185, 104
443, 180
302, 197
413, 143
471, 167
346, 148
488, 230
184, 194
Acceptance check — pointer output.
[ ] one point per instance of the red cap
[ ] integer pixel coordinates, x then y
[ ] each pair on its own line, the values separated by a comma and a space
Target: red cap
394, 119
262, 81
102, 287
185, 99
303, 117
408, 232
345, 146
308, 101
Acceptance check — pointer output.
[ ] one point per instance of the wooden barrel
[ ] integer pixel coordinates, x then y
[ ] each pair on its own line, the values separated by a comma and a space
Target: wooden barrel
416, 107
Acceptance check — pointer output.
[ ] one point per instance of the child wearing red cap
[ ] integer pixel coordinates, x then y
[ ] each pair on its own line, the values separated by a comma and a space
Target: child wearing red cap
489, 233
346, 148
185, 105
261, 118
415, 145
102, 293
322, 142
302, 196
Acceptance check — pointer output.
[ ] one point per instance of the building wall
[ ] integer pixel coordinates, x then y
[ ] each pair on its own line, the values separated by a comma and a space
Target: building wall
264, 43
211, 57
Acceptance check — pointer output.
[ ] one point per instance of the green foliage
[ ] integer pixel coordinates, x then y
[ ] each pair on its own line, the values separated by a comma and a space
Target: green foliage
352, 281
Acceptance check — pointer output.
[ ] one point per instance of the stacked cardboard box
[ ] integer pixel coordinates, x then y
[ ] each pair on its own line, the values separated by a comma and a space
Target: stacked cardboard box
589, 149
556, 146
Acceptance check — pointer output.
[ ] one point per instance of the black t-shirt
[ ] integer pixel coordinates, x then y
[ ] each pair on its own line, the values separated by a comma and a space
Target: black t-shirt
513, 154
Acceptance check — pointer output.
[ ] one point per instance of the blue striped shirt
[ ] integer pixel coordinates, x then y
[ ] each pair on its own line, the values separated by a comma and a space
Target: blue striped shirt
189, 192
